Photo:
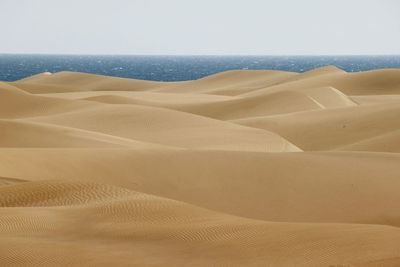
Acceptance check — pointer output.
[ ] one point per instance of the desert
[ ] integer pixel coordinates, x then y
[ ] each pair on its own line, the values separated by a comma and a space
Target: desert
240, 168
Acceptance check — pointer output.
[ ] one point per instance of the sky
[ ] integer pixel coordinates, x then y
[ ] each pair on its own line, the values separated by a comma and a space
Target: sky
200, 27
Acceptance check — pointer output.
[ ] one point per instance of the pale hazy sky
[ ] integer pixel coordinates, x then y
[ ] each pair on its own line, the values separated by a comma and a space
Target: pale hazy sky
264, 27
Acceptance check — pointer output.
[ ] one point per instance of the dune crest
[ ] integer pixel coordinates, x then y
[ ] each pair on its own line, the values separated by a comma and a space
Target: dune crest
107, 171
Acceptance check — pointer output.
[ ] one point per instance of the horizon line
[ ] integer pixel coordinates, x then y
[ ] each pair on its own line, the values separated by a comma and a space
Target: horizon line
201, 55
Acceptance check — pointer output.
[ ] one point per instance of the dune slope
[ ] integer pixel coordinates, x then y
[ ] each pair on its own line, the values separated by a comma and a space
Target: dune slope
105, 225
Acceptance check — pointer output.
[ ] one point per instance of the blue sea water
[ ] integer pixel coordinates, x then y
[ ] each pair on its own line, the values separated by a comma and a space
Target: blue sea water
178, 68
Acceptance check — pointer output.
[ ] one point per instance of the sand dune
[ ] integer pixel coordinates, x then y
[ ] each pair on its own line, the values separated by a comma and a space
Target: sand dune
377, 82
388, 142
16, 103
9, 181
223, 107
231, 82
249, 184
106, 171
24, 134
270, 103
174, 231
71, 81
168, 127
375, 99
332, 128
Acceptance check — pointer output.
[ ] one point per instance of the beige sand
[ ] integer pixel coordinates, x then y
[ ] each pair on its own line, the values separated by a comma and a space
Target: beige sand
241, 168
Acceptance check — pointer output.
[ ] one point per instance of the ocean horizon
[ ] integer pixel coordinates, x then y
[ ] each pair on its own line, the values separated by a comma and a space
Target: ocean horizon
180, 67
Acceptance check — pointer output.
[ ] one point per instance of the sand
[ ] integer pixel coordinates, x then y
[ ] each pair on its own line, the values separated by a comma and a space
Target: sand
241, 168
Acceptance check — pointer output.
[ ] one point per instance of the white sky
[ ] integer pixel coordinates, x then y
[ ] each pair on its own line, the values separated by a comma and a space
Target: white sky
257, 27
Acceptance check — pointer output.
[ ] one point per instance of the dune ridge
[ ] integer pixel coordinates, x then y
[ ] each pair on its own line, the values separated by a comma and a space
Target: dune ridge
240, 168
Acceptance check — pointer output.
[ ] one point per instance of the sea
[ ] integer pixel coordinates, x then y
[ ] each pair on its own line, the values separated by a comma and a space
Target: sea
178, 68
